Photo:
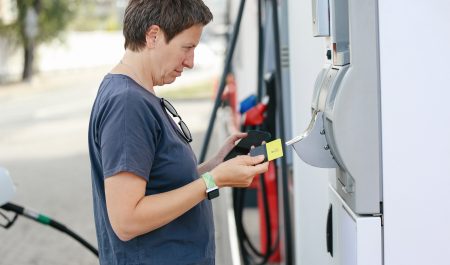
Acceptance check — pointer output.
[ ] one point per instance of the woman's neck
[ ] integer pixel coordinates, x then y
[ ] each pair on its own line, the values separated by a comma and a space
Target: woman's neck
132, 65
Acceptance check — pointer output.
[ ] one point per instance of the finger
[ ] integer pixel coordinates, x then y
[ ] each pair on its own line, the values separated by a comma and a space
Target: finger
251, 148
253, 160
241, 134
237, 136
250, 180
261, 168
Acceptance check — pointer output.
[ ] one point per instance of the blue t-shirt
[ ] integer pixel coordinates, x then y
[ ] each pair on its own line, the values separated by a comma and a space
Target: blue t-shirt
129, 130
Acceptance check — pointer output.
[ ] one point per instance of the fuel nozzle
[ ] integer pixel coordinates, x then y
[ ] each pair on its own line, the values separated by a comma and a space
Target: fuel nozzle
256, 115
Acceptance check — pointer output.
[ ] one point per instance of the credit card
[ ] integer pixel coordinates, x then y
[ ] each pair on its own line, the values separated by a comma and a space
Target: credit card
272, 150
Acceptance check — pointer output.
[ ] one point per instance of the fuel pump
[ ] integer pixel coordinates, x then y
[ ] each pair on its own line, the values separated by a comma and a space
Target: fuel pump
345, 132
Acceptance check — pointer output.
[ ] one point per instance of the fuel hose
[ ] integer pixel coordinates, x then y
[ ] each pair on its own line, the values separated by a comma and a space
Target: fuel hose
45, 220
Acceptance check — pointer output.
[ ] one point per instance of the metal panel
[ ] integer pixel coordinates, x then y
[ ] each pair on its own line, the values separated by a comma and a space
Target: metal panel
321, 18
414, 64
357, 240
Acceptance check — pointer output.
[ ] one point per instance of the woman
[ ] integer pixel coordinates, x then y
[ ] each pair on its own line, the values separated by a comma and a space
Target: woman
149, 194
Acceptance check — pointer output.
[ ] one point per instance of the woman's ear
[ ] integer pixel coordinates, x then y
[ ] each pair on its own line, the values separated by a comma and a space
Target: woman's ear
151, 35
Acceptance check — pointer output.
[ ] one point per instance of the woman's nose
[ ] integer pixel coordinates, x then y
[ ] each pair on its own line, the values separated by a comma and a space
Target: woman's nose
189, 61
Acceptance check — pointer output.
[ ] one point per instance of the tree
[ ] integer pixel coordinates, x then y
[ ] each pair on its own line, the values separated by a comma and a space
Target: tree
38, 21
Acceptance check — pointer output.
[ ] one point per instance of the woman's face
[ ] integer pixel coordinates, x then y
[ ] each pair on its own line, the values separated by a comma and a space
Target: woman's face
176, 55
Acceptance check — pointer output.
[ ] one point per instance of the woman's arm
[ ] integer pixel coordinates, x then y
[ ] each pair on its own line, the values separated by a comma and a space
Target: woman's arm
131, 213
208, 165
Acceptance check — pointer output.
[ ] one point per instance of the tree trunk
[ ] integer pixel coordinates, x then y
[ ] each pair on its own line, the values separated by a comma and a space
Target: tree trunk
31, 31
28, 61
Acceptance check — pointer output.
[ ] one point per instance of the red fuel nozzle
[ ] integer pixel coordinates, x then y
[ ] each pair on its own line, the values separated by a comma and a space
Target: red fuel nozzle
256, 115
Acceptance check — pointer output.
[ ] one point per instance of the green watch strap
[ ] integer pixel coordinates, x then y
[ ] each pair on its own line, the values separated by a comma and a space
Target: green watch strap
209, 180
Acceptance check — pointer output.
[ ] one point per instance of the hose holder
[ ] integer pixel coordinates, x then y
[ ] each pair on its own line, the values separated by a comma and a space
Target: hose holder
311, 146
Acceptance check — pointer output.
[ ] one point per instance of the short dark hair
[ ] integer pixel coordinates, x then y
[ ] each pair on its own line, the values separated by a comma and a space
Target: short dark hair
172, 16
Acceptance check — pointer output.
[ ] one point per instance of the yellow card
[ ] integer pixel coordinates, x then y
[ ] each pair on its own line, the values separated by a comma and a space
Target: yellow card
274, 149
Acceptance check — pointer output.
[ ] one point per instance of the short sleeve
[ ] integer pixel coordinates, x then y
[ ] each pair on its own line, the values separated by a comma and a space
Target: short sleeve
128, 135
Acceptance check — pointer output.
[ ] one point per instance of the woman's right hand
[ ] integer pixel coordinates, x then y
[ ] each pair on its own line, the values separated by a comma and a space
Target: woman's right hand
239, 171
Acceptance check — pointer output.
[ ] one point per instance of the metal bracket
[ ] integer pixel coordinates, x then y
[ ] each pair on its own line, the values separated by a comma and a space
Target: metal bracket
312, 146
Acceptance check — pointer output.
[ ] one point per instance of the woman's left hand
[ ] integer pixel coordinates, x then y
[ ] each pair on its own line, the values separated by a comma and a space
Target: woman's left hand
223, 152
229, 144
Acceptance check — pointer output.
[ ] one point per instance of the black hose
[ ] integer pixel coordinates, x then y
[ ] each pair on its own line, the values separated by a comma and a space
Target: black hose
42, 219
260, 51
269, 250
284, 167
250, 253
226, 71
244, 236
62, 228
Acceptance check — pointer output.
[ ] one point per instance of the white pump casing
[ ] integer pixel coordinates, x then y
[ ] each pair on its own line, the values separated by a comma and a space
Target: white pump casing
352, 110
347, 101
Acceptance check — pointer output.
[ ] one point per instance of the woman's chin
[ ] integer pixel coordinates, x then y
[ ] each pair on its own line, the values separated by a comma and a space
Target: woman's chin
170, 81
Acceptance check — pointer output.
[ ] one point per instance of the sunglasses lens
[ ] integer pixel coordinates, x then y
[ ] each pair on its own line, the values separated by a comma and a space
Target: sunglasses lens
185, 130
170, 108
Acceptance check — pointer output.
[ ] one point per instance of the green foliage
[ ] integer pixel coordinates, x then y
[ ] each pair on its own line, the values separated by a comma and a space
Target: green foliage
8, 31
53, 18
96, 15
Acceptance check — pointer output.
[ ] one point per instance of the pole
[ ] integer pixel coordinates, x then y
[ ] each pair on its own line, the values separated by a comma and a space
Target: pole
226, 71
284, 167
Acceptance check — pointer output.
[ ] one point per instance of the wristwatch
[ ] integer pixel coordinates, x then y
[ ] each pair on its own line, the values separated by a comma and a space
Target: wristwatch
212, 191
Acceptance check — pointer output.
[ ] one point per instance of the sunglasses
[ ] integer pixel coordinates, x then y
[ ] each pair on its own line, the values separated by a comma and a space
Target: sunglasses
184, 129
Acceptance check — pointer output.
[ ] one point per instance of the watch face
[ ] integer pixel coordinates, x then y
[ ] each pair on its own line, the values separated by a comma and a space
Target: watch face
213, 193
